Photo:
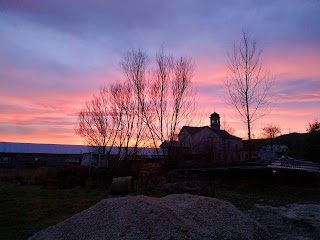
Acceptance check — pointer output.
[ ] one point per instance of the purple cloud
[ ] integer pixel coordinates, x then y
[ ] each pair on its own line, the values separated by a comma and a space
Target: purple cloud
58, 53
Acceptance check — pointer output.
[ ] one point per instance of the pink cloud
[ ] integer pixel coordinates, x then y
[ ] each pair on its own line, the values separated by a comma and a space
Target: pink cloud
44, 101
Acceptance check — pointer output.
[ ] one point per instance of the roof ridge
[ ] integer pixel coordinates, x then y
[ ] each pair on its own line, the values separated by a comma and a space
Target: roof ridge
221, 132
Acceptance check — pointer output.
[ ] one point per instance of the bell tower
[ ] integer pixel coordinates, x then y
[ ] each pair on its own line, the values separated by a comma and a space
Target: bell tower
215, 121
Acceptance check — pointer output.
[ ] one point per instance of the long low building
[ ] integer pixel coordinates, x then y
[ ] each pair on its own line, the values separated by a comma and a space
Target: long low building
9, 147
55, 154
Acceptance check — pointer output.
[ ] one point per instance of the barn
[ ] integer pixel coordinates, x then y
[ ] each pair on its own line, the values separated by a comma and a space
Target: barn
54, 154
18, 154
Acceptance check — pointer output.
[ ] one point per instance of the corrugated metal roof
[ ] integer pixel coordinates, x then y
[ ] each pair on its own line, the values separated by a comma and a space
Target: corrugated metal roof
7, 147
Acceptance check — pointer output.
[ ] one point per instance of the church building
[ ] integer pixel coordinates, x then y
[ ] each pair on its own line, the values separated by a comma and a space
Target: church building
212, 143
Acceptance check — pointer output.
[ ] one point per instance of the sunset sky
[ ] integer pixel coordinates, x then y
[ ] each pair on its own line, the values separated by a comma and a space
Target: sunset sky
55, 54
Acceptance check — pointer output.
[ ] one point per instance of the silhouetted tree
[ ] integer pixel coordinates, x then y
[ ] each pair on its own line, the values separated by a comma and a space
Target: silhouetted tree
248, 83
271, 131
134, 67
110, 120
313, 127
125, 108
147, 108
313, 141
96, 125
171, 95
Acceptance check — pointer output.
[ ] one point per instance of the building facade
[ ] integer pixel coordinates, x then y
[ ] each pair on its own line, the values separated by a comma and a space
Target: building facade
212, 143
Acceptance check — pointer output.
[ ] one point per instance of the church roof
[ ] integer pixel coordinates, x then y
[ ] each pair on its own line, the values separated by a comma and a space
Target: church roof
222, 133
193, 130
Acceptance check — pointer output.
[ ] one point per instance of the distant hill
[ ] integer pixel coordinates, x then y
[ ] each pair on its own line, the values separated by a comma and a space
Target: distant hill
296, 142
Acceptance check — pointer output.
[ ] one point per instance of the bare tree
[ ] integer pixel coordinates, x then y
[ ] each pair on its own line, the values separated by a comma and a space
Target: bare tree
96, 125
160, 95
110, 120
164, 94
181, 96
171, 96
134, 67
313, 127
125, 110
313, 141
248, 84
147, 108
271, 131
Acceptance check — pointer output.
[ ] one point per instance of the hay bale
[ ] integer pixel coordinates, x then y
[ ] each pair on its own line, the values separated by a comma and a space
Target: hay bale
179, 216
121, 185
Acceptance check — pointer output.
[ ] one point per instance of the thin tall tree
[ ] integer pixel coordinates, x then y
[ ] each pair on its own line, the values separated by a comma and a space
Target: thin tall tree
248, 84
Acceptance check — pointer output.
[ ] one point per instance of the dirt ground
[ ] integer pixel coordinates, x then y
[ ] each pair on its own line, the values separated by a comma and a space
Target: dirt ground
298, 221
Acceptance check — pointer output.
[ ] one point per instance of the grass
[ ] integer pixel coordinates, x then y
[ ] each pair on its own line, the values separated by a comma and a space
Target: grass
245, 196
27, 175
27, 209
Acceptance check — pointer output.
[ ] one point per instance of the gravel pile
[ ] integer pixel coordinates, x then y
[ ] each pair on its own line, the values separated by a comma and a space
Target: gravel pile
180, 216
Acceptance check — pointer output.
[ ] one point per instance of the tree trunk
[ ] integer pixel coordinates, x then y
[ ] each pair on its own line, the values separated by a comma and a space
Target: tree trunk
249, 141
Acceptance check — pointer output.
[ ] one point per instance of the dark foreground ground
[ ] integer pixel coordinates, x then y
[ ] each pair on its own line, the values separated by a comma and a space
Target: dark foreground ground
286, 212
25, 209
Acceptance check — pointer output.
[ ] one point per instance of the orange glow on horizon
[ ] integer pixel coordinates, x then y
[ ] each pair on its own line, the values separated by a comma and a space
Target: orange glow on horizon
51, 116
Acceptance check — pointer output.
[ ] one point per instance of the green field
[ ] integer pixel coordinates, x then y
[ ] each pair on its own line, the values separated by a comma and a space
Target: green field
24, 210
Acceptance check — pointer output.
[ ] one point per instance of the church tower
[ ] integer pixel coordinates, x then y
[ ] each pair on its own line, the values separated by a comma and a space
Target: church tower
215, 121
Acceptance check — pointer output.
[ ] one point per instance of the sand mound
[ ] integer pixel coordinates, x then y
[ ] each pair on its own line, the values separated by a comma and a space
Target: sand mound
180, 216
